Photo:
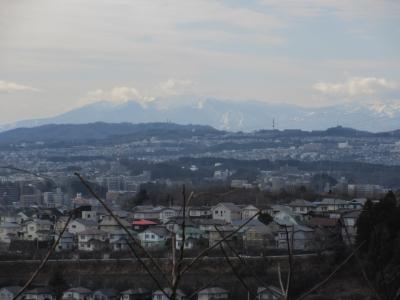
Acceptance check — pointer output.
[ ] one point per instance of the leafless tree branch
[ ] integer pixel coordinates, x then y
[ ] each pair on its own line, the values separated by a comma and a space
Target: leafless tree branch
235, 272
205, 251
45, 259
131, 237
329, 277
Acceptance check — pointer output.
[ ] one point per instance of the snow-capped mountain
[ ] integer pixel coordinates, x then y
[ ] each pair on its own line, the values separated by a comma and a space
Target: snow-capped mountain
232, 115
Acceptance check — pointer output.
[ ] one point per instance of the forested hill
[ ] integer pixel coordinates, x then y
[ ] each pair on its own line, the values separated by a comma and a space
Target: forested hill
114, 133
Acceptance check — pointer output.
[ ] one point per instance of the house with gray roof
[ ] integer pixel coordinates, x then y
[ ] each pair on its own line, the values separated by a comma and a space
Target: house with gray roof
77, 293
300, 237
301, 206
213, 293
40, 293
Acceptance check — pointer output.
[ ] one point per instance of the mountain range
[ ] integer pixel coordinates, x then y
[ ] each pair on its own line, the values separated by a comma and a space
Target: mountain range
230, 115
118, 133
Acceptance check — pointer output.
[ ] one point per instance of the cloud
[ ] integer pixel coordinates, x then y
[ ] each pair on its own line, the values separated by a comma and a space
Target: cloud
173, 87
9, 87
356, 86
121, 94
115, 95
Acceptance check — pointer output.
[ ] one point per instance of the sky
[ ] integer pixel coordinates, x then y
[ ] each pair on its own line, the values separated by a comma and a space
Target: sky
56, 55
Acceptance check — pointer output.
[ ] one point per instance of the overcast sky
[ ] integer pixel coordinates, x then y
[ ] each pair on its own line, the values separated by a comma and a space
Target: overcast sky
56, 55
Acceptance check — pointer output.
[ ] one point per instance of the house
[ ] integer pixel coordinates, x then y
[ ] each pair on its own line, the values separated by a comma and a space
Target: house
66, 242
285, 218
9, 292
249, 211
92, 240
23, 217
300, 206
275, 209
349, 226
77, 293
167, 213
213, 293
200, 212
269, 293
159, 295
214, 235
136, 294
331, 204
9, 231
147, 212
357, 204
175, 224
105, 294
154, 237
78, 225
207, 225
109, 224
119, 239
192, 235
259, 237
41, 230
40, 293
301, 237
90, 215
227, 212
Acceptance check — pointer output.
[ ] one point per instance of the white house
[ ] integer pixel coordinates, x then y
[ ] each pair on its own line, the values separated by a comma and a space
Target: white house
331, 204
77, 293
154, 237
9, 231
40, 293
249, 211
167, 213
213, 293
226, 211
78, 225
301, 206
200, 212
41, 230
